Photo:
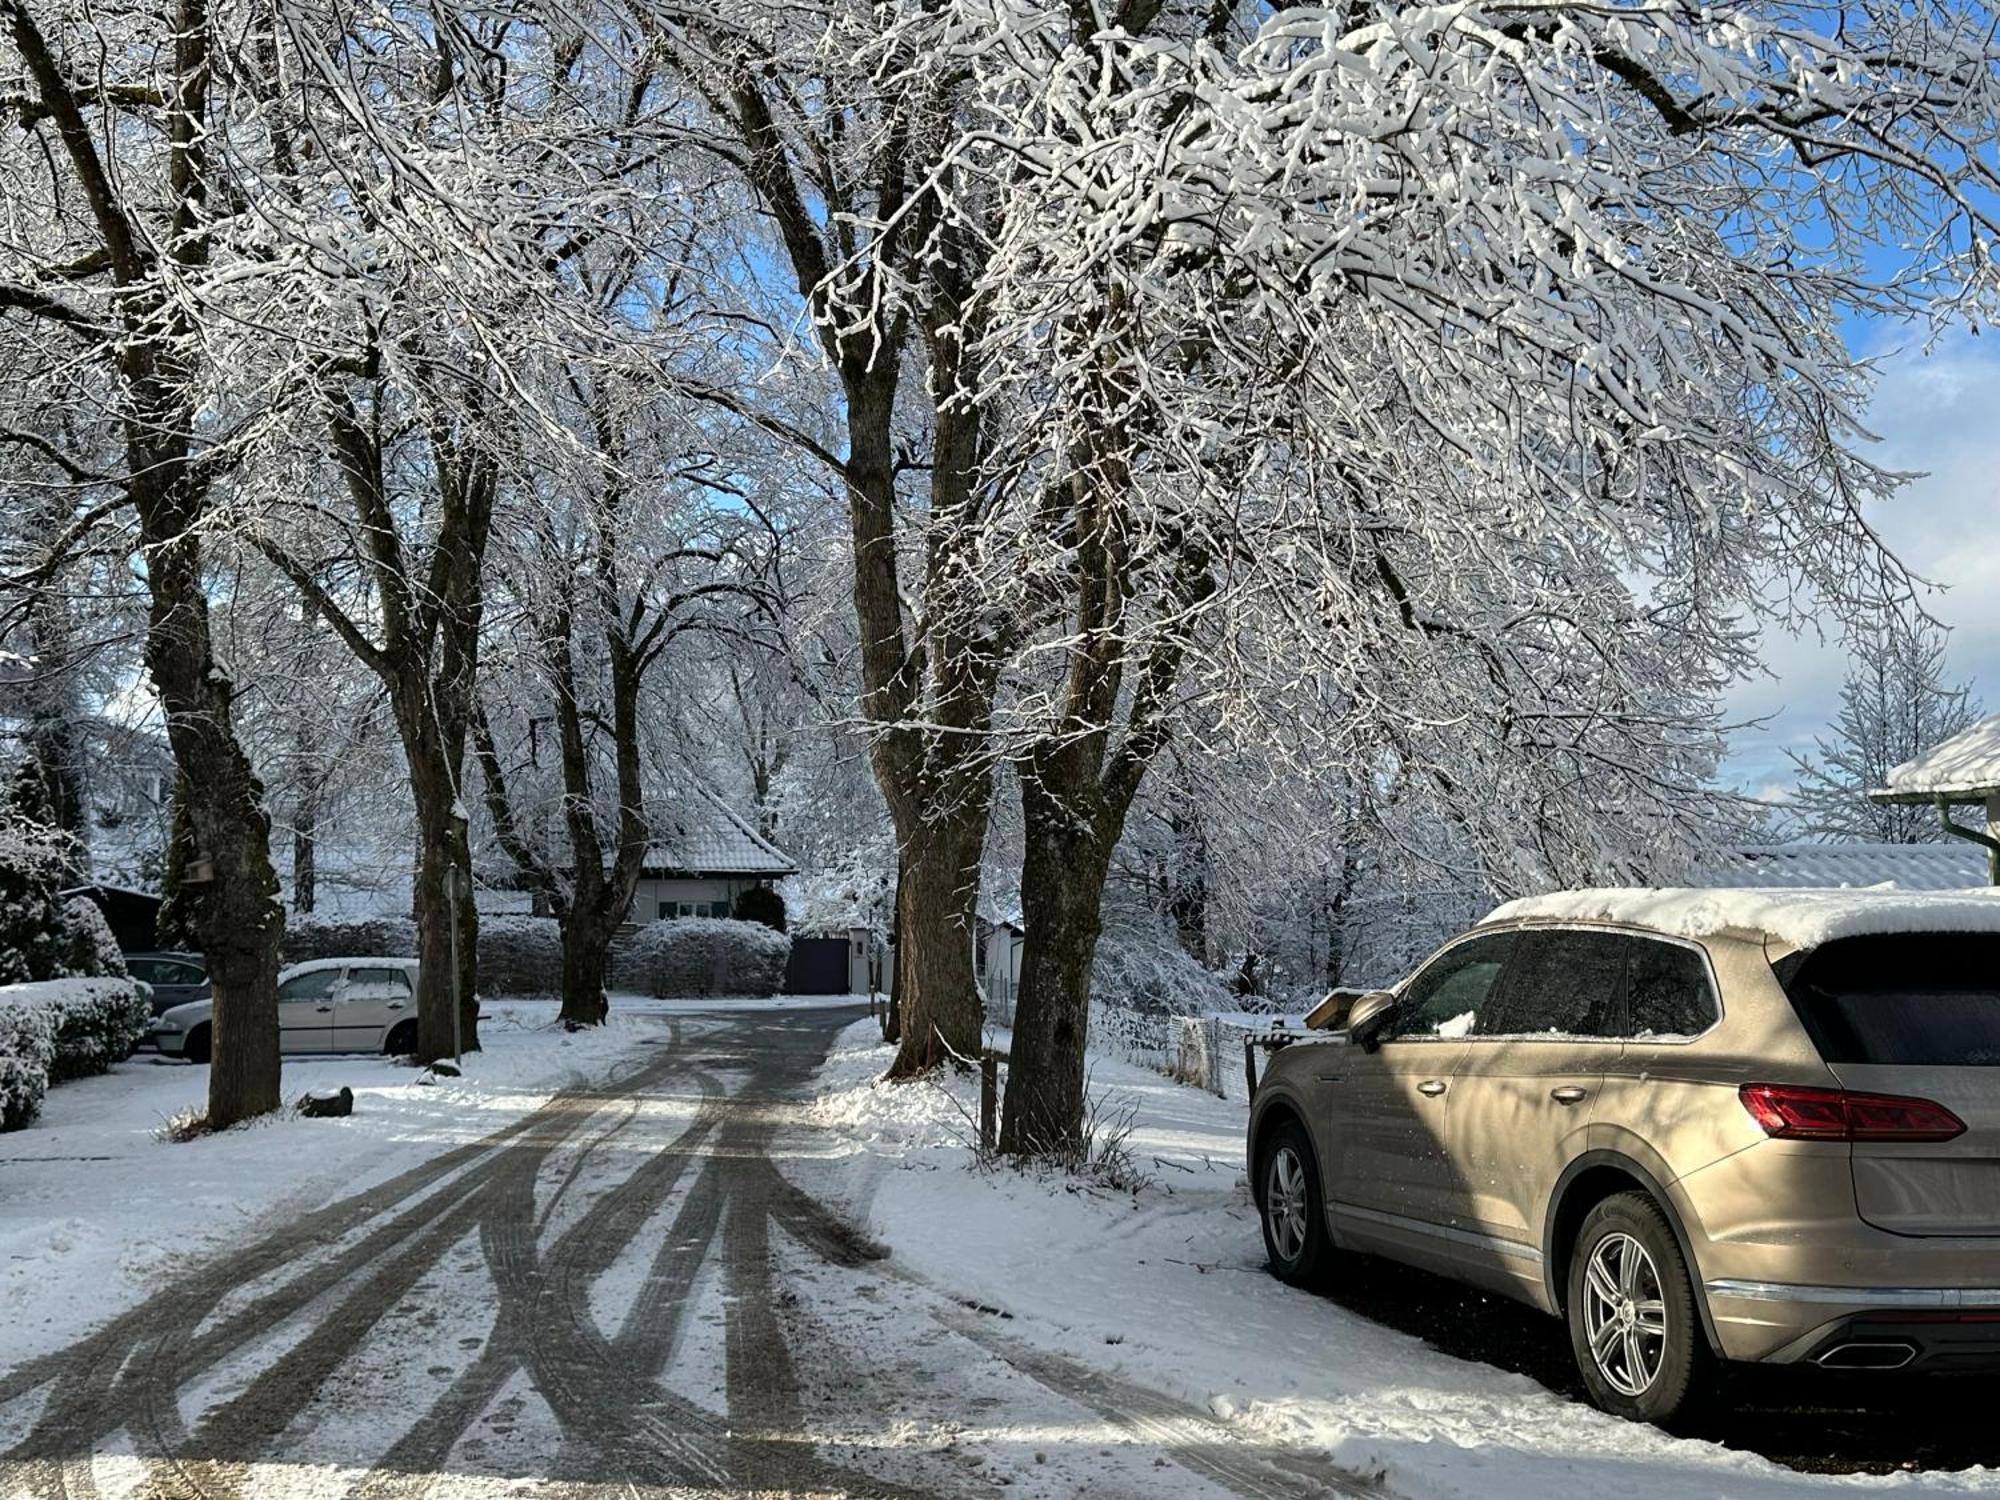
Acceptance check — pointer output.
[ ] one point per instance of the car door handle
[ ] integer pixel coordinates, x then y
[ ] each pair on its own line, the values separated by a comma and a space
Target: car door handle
1569, 1093
397, 1004
1430, 1088
323, 1009
1328, 1077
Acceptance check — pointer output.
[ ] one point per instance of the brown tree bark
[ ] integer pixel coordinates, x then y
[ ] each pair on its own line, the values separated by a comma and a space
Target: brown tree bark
424, 648
927, 684
229, 895
939, 1017
1069, 834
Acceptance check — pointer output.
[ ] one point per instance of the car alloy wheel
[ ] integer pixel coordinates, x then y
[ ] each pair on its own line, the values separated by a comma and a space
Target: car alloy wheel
1624, 1314
1285, 1205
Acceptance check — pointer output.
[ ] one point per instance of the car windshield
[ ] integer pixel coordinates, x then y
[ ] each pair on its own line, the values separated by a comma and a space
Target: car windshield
1910, 999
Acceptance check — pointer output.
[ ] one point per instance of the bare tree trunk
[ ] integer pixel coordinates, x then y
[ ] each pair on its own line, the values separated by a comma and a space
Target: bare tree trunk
937, 896
305, 844
586, 960
229, 892
1065, 861
443, 844
54, 737
1336, 911
1187, 900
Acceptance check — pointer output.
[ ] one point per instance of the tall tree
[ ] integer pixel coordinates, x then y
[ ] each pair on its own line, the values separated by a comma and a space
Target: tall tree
117, 158
1896, 703
1279, 319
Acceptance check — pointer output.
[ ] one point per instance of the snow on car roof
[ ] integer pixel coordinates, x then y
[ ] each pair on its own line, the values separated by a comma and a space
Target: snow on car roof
1966, 764
1803, 918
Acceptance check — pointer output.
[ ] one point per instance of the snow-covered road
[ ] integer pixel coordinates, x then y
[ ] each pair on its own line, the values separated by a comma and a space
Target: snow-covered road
617, 1292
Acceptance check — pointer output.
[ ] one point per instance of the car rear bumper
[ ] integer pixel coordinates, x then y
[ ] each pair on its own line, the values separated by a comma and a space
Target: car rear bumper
1916, 1328
167, 1043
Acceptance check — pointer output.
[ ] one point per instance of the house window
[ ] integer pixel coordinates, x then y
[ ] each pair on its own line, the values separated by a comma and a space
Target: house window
671, 909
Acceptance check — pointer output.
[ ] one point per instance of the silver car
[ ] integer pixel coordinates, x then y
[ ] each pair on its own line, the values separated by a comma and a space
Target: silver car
324, 1005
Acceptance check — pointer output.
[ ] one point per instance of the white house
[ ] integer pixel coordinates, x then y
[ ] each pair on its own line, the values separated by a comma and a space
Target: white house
704, 856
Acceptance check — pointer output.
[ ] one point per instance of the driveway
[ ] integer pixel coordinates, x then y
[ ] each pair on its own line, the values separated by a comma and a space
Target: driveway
618, 1294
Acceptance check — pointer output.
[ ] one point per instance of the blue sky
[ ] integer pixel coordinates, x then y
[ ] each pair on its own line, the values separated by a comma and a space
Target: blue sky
1938, 413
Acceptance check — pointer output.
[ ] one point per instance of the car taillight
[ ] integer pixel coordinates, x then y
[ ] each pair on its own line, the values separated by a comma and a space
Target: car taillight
1789, 1112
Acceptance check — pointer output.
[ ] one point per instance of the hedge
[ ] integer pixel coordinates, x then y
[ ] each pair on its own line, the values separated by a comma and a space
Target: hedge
367, 937
517, 955
54, 1030
27, 1047
705, 956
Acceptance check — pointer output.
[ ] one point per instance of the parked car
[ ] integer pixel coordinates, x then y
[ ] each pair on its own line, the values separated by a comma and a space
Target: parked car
1696, 1126
324, 1005
174, 978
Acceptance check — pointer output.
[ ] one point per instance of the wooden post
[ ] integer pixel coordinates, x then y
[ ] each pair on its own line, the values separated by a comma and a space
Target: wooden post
989, 1099
1250, 1065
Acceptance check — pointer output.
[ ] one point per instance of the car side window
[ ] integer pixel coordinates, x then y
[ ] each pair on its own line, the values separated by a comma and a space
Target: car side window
317, 985
1669, 991
377, 984
1562, 983
1445, 999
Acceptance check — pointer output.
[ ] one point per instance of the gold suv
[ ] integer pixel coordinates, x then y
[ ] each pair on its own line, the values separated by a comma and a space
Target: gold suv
1696, 1125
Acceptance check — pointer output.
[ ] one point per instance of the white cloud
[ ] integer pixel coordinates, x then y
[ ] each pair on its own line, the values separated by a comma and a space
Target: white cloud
1938, 414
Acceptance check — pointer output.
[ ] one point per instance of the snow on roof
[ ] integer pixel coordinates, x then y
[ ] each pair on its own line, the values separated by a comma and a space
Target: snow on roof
1966, 765
700, 834
1801, 918
1911, 867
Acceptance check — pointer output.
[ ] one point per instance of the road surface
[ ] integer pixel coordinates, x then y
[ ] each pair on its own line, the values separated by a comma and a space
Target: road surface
618, 1295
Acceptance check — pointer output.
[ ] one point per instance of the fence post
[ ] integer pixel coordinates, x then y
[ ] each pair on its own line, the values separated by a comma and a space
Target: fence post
1250, 1065
989, 1099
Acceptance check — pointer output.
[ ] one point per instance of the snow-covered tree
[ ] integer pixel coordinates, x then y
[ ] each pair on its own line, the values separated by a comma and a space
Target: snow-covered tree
1463, 364
1896, 703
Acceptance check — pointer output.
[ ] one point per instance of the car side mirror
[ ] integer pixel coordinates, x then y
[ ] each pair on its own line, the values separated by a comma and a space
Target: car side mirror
1367, 1018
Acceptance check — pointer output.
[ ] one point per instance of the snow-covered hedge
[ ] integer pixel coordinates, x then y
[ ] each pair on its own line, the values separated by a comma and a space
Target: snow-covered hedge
87, 944
519, 955
53, 1030
27, 1047
1154, 976
705, 956
309, 936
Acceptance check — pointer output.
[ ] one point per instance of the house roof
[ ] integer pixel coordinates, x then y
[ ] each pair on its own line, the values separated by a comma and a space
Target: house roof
1964, 768
697, 833
1910, 867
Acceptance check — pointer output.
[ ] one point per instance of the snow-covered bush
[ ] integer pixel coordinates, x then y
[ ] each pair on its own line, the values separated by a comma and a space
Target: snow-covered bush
54, 1030
519, 955
760, 904
705, 956
1154, 976
88, 948
309, 936
31, 869
98, 1021
27, 1046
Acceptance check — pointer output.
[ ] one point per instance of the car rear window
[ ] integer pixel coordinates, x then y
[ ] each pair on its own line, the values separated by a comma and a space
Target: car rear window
1910, 999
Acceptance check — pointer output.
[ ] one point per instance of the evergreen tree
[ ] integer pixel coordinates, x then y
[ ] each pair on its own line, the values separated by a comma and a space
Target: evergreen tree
1895, 704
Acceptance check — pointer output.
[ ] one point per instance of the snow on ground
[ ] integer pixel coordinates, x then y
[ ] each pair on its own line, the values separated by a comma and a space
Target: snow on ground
1167, 1287
97, 1212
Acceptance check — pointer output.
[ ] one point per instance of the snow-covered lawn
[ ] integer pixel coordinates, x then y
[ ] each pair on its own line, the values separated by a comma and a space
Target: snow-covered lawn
96, 1211
1167, 1287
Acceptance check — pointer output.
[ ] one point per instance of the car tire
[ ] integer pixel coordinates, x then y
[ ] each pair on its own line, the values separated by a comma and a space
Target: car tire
401, 1040
1634, 1325
199, 1045
1291, 1208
